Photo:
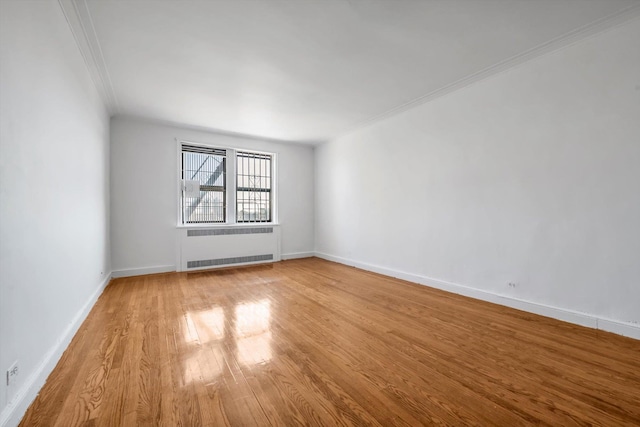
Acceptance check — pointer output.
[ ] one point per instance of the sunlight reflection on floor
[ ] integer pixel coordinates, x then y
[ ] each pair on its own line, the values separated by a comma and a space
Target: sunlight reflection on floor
253, 331
205, 331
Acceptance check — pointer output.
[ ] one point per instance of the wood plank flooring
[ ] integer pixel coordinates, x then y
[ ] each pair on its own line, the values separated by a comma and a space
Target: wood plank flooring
310, 342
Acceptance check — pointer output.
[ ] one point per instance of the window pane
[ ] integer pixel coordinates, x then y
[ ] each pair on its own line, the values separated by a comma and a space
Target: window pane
207, 207
204, 168
254, 206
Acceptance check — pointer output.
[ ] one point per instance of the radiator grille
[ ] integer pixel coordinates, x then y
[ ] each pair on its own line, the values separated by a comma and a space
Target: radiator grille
225, 261
224, 231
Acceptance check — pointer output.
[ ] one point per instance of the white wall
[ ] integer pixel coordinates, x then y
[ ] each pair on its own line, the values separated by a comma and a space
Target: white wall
54, 195
144, 162
531, 176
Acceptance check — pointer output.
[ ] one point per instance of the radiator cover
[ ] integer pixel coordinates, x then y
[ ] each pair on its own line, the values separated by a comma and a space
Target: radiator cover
200, 248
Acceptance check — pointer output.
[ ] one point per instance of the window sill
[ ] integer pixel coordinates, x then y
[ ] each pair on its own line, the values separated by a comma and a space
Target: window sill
235, 225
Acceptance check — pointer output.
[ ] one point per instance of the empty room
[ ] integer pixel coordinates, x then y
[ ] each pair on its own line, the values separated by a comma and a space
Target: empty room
319, 212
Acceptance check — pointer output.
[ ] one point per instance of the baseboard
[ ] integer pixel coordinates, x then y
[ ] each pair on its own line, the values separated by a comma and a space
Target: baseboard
14, 411
296, 255
631, 330
142, 271
621, 328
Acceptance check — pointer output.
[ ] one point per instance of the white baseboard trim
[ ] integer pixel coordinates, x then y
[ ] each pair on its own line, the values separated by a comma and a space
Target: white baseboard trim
14, 411
627, 329
142, 271
621, 328
296, 255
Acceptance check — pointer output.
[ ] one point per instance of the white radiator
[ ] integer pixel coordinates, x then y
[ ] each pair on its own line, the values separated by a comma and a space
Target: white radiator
201, 248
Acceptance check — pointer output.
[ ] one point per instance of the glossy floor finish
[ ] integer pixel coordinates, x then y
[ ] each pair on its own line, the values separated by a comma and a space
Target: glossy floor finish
310, 342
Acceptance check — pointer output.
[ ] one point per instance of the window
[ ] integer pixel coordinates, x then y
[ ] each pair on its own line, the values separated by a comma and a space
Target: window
253, 198
225, 186
207, 168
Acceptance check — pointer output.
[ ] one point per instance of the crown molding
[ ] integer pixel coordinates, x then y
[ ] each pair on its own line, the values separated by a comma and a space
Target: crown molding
79, 19
574, 36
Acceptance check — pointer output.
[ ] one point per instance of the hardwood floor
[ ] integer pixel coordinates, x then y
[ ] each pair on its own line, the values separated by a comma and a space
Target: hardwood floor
310, 342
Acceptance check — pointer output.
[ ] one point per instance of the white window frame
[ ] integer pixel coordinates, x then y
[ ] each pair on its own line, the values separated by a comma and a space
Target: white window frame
231, 190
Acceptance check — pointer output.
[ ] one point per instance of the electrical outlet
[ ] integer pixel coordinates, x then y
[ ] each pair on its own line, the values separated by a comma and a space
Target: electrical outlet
12, 373
512, 284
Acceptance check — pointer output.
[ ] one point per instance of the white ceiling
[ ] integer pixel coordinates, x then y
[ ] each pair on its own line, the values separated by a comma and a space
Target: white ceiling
309, 70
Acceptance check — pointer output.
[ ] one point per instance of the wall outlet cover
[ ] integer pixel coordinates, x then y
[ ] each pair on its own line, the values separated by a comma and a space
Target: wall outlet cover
12, 373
